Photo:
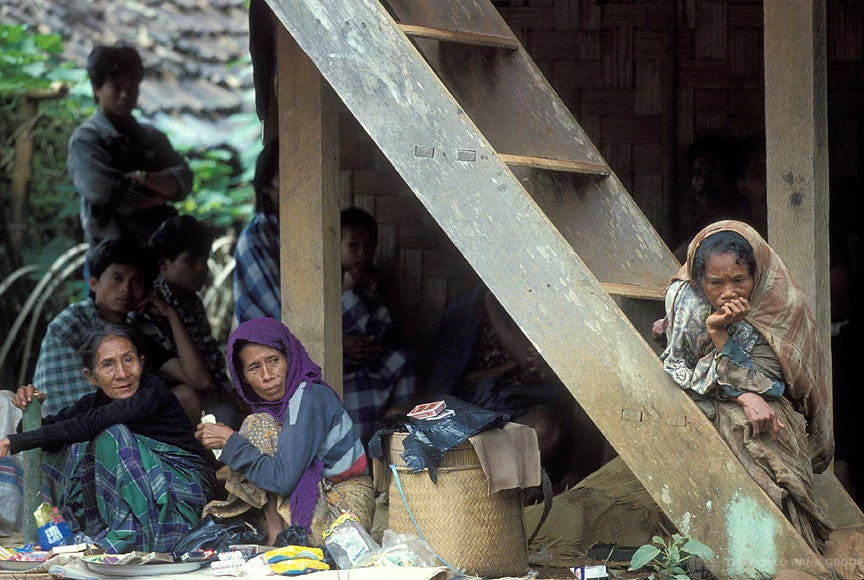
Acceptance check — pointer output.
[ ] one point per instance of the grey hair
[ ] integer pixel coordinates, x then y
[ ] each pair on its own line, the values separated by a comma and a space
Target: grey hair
87, 350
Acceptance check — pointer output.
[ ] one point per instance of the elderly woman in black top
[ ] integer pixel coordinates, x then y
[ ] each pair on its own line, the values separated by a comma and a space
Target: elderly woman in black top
135, 477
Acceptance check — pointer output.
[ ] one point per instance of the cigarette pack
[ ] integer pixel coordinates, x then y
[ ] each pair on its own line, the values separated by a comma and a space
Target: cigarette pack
155, 558
427, 410
68, 549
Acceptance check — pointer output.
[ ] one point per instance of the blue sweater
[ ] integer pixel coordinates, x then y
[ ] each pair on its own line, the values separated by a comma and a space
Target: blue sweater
316, 425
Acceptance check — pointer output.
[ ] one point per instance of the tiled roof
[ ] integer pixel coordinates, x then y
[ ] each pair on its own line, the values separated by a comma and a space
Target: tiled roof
185, 45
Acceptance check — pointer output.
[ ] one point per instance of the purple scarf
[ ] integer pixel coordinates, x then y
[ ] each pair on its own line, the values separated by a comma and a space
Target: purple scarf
274, 334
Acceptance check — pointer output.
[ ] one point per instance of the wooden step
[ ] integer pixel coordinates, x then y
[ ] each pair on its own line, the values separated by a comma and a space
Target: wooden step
635, 291
460, 36
556, 164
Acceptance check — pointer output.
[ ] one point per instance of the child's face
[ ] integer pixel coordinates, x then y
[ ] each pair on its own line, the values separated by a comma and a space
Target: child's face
358, 248
185, 271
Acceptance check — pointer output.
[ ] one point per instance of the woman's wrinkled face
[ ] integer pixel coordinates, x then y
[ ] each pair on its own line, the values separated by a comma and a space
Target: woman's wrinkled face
265, 369
726, 279
116, 368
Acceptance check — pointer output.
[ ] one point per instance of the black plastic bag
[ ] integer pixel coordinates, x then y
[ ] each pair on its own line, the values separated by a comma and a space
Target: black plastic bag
429, 439
213, 534
292, 536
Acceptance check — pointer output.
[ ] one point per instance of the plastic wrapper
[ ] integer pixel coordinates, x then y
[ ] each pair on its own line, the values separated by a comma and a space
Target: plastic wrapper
51, 527
227, 567
402, 550
292, 536
298, 567
211, 534
348, 542
256, 567
293, 552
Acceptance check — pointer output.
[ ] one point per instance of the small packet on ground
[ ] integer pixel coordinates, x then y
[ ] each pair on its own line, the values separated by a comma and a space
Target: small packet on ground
295, 560
298, 567
348, 542
293, 552
403, 550
51, 527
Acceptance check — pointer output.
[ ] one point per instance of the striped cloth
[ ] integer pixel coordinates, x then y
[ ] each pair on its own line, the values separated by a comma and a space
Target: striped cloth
256, 275
370, 389
11, 488
129, 492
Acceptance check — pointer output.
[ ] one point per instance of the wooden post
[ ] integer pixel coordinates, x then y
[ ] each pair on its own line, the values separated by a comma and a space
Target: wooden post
797, 147
22, 170
309, 208
32, 497
796, 141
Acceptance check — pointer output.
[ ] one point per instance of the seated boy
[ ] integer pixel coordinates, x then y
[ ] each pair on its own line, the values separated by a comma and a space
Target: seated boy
120, 274
182, 245
376, 376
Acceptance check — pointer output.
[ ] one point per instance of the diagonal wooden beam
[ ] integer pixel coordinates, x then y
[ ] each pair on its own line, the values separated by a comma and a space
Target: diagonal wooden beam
671, 447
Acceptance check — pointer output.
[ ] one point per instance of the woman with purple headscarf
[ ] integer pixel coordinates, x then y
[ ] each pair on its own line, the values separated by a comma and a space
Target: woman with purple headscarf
296, 457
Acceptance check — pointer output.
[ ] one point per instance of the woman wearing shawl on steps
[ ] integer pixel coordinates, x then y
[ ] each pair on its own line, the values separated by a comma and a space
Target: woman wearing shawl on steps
743, 343
296, 458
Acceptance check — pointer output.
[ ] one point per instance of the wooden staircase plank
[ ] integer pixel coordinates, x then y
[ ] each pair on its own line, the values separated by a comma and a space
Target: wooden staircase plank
673, 449
477, 17
634, 291
598, 169
460, 36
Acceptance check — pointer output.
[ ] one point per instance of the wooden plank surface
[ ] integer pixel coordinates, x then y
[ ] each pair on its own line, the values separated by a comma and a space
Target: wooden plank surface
674, 450
492, 85
460, 36
635, 291
599, 169
480, 18
797, 172
310, 268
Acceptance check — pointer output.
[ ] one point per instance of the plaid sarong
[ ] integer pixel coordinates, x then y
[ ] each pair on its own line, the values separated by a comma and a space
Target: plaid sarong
129, 492
368, 391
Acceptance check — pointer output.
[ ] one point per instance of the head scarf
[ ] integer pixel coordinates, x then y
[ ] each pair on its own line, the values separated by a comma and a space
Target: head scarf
779, 311
301, 369
274, 334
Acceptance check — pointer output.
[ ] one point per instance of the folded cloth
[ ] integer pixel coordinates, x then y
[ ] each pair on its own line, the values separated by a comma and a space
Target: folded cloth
510, 457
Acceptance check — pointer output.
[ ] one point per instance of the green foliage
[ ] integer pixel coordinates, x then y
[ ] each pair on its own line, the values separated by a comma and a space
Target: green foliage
30, 61
221, 194
668, 558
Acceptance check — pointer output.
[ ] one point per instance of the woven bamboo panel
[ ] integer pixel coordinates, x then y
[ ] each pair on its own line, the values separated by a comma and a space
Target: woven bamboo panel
711, 29
745, 56
845, 32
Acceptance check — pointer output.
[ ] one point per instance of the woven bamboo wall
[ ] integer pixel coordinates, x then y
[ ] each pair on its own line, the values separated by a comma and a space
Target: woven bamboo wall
644, 78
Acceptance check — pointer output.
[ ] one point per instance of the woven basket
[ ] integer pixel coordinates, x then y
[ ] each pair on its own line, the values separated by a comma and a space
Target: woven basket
480, 534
